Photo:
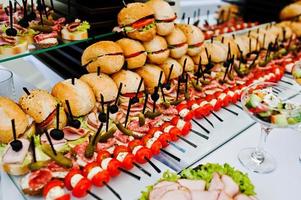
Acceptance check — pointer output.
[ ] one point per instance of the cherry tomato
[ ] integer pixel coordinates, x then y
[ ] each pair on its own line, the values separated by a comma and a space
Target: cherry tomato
187, 116
53, 183
68, 177
102, 155
112, 165
141, 153
167, 128
81, 188
164, 138
128, 160
153, 144
64, 197
99, 178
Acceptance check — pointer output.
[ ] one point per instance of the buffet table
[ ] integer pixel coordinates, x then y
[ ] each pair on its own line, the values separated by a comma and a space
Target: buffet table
227, 138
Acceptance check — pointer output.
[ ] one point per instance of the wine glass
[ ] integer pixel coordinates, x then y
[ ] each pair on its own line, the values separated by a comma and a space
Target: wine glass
265, 103
7, 88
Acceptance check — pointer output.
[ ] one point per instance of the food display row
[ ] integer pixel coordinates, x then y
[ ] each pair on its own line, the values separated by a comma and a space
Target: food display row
141, 95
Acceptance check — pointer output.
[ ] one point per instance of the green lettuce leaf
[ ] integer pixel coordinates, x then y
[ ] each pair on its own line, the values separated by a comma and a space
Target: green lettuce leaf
83, 26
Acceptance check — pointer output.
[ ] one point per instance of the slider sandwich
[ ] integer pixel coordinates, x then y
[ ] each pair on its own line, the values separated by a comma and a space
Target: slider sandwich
107, 55
157, 50
134, 52
195, 38
137, 21
177, 43
164, 16
14, 161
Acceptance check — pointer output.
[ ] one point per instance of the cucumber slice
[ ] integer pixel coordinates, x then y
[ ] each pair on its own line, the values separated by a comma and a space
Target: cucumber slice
279, 120
253, 101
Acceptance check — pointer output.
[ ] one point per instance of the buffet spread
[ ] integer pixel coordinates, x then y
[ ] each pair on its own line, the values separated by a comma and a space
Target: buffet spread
141, 95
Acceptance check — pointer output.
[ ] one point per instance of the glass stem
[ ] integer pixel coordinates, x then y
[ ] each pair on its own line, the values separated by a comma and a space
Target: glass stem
258, 155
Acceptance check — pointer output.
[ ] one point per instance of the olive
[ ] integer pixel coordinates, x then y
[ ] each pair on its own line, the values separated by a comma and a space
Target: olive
102, 117
75, 123
57, 134
134, 100
11, 32
113, 109
155, 96
16, 145
23, 22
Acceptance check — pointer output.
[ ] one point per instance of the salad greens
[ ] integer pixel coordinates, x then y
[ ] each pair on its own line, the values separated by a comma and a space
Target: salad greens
83, 26
205, 172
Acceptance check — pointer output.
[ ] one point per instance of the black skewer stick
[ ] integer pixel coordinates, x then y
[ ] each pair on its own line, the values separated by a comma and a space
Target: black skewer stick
40, 9
102, 117
183, 73
26, 90
196, 23
56, 133
98, 71
127, 113
73, 122
171, 155
135, 99
207, 20
200, 71
68, 8
32, 14
145, 101
186, 84
200, 134
124, 4
238, 106
108, 117
93, 195
11, 31
187, 141
215, 115
178, 88
130, 173
45, 9
97, 133
155, 96
33, 149
231, 111
50, 142
201, 126
24, 21
167, 85
188, 20
183, 17
15, 144
114, 108
142, 169
153, 165
287, 82
163, 95
112, 190
209, 122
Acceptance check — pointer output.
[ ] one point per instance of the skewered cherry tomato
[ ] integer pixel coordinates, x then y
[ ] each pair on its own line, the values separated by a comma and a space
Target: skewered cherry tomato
123, 155
184, 112
164, 138
55, 185
96, 174
152, 143
140, 152
108, 163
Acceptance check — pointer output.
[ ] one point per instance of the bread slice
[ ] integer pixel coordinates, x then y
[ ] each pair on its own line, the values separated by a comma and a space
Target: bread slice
76, 35
18, 169
13, 50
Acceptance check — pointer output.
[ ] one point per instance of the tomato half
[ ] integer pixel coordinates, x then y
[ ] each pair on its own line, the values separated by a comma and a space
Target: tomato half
143, 22
53, 183
102, 155
68, 177
80, 190
100, 178
113, 167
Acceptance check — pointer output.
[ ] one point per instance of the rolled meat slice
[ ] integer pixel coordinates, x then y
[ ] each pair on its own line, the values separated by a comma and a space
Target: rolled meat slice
230, 187
157, 193
216, 183
242, 197
11, 156
204, 195
181, 194
224, 196
193, 184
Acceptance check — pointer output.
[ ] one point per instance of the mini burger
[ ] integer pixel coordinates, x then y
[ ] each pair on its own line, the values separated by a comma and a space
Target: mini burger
228, 40
41, 106
176, 71
107, 55
157, 51
80, 96
177, 43
101, 84
217, 52
137, 21
194, 36
164, 16
189, 67
15, 162
290, 12
134, 52
150, 74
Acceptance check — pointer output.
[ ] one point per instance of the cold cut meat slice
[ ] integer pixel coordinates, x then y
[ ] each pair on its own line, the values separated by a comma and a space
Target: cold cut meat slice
73, 133
11, 156
216, 183
204, 195
181, 194
242, 197
230, 187
163, 184
157, 193
223, 196
192, 184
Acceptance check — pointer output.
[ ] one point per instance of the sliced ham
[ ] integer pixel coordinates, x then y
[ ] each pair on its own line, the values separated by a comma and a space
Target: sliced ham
242, 197
224, 196
54, 142
157, 193
216, 183
230, 187
181, 194
170, 111
92, 120
11, 156
72, 26
163, 184
80, 154
192, 184
74, 133
43, 36
204, 195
